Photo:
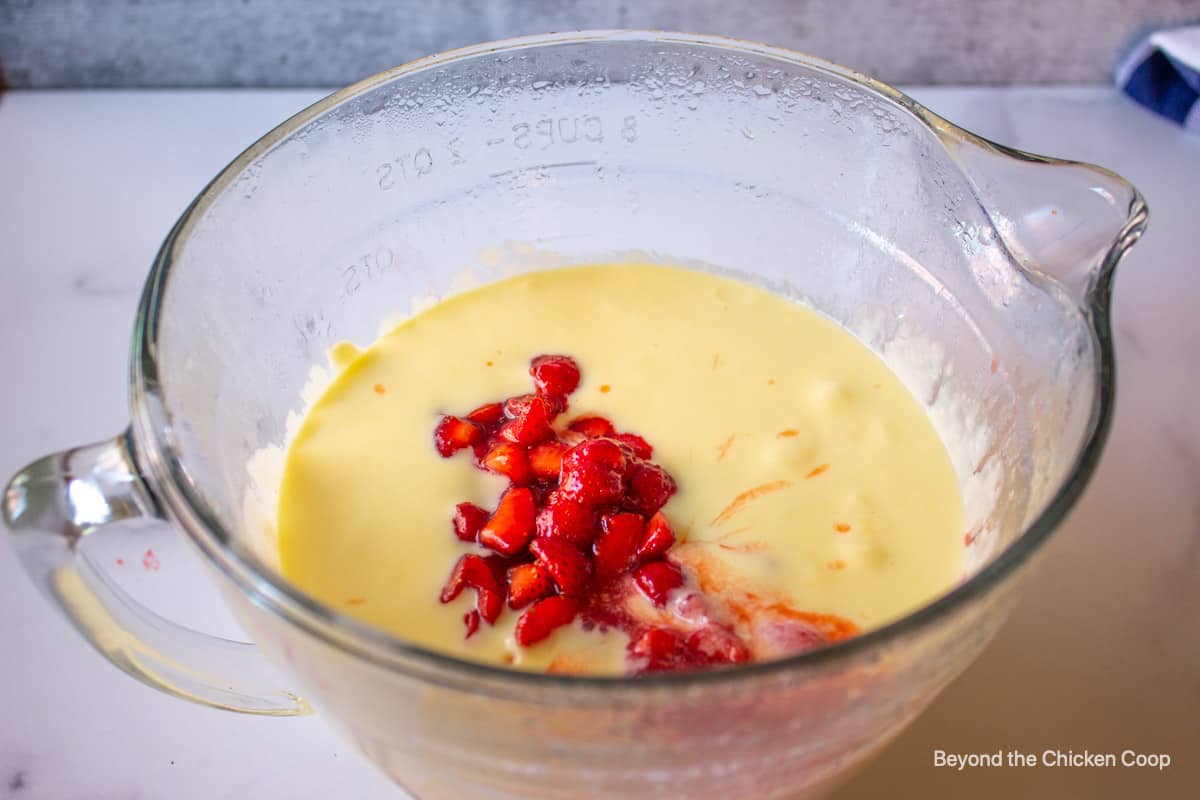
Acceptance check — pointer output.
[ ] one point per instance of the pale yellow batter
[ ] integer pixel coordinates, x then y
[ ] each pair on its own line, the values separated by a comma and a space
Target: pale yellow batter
808, 476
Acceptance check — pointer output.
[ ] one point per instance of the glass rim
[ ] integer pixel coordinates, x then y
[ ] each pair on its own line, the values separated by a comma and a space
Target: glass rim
267, 588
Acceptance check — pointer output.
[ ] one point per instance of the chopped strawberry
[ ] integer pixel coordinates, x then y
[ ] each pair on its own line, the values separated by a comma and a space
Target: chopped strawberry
576, 506
490, 414
472, 570
568, 567
527, 583
593, 472
640, 447
531, 423
499, 566
656, 643
592, 486
511, 526
718, 644
592, 426
554, 376
563, 517
619, 539
595, 453
468, 519
489, 603
656, 580
545, 460
661, 648
658, 539
453, 434
518, 405
509, 460
666, 648
543, 618
650, 487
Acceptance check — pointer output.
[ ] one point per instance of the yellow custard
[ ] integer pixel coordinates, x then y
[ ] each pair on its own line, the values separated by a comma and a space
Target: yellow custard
809, 478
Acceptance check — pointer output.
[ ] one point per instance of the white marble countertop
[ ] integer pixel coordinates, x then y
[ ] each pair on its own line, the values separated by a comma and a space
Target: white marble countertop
1103, 654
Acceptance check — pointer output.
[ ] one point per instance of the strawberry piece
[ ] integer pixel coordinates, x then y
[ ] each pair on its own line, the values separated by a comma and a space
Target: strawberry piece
555, 376
592, 426
670, 649
577, 507
499, 566
717, 644
531, 423
489, 603
545, 460
656, 580
568, 567
509, 460
619, 539
511, 526
518, 405
658, 539
650, 487
474, 571
468, 571
592, 486
593, 472
566, 518
543, 618
527, 583
640, 447
490, 414
468, 519
661, 648
656, 643
453, 434
602, 452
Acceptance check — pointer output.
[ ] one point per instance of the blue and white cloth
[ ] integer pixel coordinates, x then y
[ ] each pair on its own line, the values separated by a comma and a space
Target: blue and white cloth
1162, 72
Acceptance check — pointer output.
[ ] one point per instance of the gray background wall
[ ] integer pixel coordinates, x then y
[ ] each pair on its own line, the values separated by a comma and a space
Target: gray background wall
106, 43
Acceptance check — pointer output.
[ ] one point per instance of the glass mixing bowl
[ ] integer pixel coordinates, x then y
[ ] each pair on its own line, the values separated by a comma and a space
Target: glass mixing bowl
980, 274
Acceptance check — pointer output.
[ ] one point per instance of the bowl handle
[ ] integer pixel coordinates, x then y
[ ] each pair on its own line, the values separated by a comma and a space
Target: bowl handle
56, 501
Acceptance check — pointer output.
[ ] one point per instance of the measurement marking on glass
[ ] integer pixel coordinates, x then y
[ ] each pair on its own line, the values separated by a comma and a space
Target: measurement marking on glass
559, 165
